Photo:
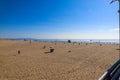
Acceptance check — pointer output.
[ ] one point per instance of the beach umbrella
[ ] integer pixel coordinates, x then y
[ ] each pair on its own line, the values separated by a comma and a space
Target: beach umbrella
119, 22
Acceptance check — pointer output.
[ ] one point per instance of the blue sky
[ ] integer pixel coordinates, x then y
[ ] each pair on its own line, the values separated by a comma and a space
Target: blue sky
59, 19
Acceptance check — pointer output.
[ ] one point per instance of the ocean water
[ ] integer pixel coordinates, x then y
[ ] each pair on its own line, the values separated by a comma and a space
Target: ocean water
97, 40
74, 40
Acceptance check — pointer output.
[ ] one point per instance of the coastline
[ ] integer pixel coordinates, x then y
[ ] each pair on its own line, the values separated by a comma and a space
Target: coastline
90, 60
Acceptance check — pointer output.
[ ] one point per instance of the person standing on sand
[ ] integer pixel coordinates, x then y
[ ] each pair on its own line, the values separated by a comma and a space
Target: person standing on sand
30, 41
18, 52
44, 47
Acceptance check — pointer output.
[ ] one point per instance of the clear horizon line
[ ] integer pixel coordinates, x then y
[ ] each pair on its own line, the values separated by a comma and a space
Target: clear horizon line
59, 38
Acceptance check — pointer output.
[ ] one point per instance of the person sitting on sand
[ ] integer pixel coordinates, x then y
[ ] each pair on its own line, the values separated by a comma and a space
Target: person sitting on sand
51, 49
44, 47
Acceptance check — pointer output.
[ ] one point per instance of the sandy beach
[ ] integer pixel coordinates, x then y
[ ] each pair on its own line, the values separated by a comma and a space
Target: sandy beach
68, 62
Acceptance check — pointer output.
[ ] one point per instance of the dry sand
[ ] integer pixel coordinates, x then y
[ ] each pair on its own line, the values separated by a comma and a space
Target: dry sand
84, 62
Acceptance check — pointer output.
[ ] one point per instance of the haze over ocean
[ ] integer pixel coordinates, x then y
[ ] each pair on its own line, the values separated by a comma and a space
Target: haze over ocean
58, 19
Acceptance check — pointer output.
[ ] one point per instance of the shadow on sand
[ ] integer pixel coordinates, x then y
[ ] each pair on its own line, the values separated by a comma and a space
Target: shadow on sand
47, 52
117, 49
